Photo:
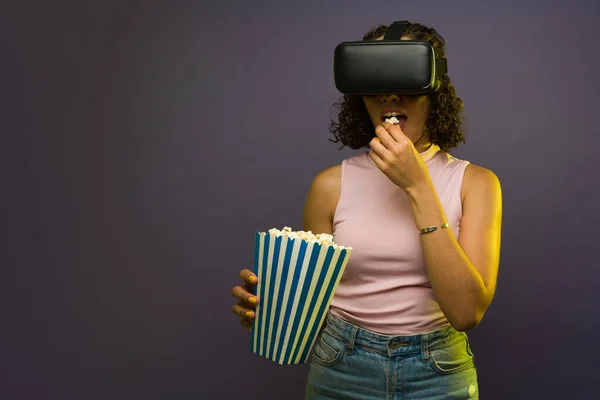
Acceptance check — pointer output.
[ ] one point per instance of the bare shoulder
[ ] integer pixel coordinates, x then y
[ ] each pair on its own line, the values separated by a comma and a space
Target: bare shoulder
479, 179
322, 200
480, 183
330, 178
325, 188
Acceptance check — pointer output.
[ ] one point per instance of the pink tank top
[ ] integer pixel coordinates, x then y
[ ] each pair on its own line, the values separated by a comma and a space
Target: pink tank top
385, 287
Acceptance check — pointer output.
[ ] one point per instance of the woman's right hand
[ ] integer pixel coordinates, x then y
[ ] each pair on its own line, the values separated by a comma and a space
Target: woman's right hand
244, 308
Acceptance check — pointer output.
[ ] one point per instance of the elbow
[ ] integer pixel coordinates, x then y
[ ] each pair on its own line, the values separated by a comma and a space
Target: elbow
468, 314
465, 324
468, 320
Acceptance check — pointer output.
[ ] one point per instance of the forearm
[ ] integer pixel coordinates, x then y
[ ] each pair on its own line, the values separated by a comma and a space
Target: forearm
458, 286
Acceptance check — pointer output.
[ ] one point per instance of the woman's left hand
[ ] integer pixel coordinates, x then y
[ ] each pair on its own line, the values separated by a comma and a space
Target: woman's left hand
396, 156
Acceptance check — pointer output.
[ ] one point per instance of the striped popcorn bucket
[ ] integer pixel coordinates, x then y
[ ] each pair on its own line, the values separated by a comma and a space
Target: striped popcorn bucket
296, 282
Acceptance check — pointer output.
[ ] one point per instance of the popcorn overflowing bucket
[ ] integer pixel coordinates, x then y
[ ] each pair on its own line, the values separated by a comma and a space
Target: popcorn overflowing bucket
298, 273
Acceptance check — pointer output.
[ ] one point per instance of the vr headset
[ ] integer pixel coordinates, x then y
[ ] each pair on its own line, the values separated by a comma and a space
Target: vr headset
388, 66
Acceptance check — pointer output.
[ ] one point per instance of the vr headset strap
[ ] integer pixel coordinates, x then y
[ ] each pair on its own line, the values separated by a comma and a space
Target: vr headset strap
441, 66
395, 30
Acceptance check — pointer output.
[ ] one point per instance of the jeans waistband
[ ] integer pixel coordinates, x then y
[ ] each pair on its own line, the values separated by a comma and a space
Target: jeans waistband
391, 345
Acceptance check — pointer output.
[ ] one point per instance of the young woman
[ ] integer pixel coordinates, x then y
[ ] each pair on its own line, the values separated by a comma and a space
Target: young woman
396, 326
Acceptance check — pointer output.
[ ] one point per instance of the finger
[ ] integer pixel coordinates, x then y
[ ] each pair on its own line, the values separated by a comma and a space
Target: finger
379, 148
377, 160
246, 324
388, 126
243, 312
387, 142
394, 131
383, 132
247, 276
241, 293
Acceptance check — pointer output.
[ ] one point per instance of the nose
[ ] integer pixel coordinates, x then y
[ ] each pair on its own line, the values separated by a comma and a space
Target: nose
390, 99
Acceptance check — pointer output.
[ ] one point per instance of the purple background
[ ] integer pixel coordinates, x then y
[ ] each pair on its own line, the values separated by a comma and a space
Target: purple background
145, 142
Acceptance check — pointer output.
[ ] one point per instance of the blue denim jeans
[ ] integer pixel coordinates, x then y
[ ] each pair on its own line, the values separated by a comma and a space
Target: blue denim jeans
351, 363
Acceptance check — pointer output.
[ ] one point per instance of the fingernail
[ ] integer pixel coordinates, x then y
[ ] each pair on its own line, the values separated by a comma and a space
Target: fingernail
252, 300
379, 140
249, 314
252, 279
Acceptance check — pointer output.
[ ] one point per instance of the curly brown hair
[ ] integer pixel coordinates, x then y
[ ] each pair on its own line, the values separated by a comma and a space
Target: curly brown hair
444, 125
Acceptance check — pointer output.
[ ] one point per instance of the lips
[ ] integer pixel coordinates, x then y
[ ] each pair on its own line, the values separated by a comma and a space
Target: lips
394, 116
392, 112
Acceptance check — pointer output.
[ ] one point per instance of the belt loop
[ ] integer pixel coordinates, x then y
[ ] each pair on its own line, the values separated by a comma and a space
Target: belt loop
351, 338
425, 347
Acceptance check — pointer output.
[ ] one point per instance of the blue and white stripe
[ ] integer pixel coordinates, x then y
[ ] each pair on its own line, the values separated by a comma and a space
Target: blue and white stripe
296, 282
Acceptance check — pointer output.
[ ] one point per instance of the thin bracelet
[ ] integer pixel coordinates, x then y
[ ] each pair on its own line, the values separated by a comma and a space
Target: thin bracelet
432, 228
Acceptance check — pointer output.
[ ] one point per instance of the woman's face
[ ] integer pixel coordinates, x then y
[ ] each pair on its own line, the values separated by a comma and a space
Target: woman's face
411, 111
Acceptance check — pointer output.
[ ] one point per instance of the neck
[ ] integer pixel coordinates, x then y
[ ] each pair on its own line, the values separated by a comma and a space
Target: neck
422, 144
